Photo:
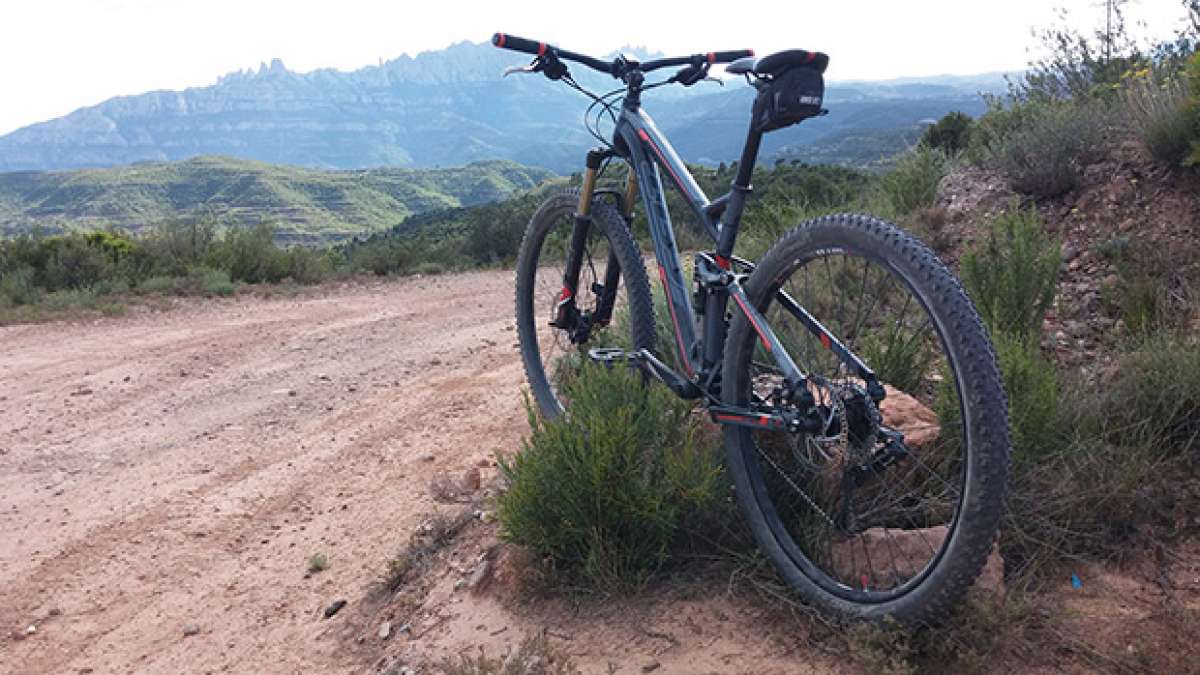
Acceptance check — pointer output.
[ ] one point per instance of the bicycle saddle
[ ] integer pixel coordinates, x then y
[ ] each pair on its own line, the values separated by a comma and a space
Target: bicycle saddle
779, 61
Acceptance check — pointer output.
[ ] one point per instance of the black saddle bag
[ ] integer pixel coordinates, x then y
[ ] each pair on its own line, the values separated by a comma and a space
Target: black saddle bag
792, 96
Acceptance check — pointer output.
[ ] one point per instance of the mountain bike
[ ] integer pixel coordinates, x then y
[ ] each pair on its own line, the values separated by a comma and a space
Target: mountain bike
863, 416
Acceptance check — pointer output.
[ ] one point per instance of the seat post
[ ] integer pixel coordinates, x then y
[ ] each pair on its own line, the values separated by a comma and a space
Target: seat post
732, 217
749, 157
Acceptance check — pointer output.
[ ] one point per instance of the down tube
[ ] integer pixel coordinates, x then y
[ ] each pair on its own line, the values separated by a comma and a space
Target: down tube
666, 252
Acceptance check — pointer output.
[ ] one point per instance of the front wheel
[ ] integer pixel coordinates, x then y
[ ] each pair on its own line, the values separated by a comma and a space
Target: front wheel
611, 266
891, 507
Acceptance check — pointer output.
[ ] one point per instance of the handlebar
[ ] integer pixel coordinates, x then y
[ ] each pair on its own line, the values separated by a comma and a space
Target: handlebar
517, 44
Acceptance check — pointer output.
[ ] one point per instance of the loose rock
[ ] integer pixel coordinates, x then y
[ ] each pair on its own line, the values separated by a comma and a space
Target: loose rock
334, 608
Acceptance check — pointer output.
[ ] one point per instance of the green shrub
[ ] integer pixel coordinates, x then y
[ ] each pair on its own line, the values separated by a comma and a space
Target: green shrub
604, 490
1011, 275
1168, 138
214, 282
172, 248
17, 286
950, 134
1154, 396
912, 183
157, 284
1040, 146
1156, 110
1192, 107
308, 266
70, 298
429, 268
250, 255
897, 358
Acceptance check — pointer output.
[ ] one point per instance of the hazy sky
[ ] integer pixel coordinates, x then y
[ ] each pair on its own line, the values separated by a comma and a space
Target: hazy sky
59, 55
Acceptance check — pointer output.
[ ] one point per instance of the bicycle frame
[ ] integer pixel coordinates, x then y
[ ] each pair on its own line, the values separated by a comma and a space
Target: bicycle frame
639, 142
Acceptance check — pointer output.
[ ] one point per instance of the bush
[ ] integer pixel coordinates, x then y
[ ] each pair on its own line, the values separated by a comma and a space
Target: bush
214, 282
912, 183
1040, 146
17, 287
604, 490
173, 248
308, 266
1156, 110
949, 134
1192, 108
157, 284
1154, 396
250, 256
1011, 276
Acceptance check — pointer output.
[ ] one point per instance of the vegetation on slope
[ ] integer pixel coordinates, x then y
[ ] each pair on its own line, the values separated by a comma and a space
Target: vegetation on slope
305, 205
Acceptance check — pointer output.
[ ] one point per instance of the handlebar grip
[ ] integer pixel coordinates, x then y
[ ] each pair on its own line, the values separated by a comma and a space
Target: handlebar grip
728, 57
518, 44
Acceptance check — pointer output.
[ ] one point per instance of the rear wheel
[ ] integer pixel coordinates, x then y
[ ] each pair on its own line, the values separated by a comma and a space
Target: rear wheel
552, 354
858, 525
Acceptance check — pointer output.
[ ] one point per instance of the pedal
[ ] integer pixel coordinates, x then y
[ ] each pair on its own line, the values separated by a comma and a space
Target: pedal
648, 363
610, 355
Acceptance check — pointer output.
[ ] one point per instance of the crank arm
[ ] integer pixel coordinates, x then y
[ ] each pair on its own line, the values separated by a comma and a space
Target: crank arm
740, 417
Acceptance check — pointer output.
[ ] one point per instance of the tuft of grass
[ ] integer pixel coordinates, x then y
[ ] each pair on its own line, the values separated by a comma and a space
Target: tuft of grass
1156, 109
1012, 276
426, 542
535, 656
1154, 395
317, 563
604, 491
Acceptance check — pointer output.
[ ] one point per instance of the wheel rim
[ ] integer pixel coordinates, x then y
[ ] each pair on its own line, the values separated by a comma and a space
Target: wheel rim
875, 542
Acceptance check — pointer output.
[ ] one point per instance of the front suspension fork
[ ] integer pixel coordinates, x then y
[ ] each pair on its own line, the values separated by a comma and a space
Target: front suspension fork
567, 314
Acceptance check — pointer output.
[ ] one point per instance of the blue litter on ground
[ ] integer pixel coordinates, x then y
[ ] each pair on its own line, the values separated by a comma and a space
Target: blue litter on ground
1076, 582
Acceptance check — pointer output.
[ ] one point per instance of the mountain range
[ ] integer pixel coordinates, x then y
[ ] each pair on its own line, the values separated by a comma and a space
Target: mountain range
451, 107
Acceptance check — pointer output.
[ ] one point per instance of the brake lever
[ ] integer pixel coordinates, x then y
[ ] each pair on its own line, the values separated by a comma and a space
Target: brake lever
513, 70
547, 64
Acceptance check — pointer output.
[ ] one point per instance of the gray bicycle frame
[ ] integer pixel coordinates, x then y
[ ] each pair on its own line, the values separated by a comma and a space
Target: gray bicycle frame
647, 149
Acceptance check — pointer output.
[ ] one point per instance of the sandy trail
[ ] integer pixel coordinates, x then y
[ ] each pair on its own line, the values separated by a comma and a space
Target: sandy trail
177, 470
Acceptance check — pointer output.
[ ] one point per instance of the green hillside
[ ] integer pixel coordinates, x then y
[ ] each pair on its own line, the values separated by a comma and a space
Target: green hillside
303, 204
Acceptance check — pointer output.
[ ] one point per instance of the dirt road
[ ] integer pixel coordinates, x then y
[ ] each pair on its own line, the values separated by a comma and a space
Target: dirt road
165, 477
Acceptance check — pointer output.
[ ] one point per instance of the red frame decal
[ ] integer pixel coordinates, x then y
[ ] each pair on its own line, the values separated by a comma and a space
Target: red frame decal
662, 158
662, 274
760, 420
762, 337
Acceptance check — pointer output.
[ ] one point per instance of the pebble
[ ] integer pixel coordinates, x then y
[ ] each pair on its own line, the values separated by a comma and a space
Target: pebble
191, 629
428, 457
